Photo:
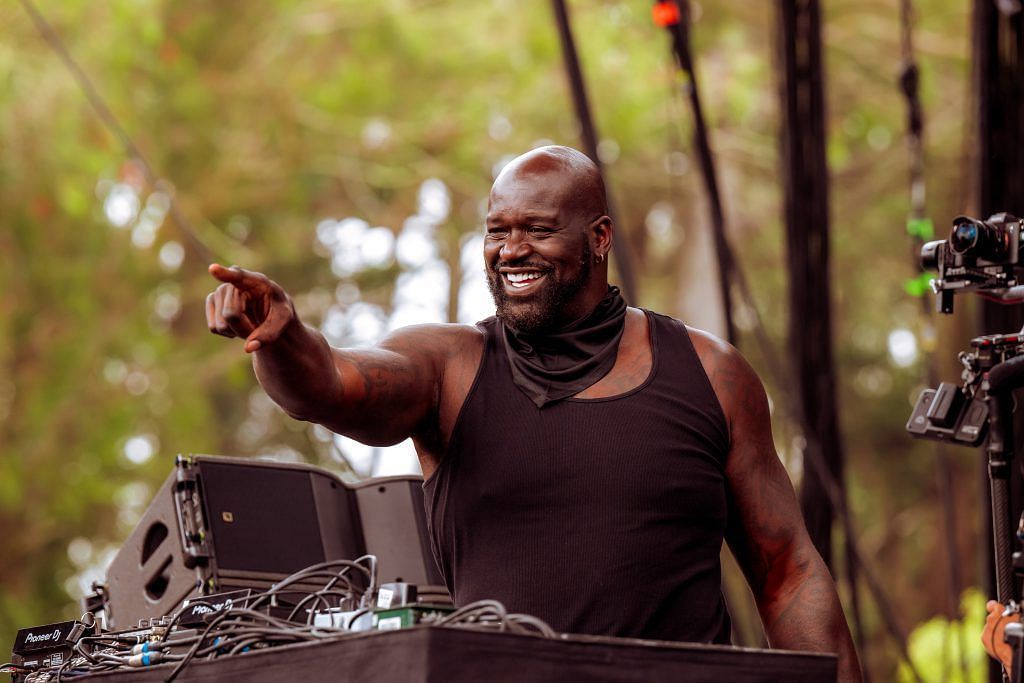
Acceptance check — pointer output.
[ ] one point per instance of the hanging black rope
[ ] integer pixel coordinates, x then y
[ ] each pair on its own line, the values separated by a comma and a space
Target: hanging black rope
117, 130
674, 16
665, 12
588, 132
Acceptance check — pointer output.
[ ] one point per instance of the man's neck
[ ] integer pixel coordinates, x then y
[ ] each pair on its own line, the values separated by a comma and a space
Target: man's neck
581, 310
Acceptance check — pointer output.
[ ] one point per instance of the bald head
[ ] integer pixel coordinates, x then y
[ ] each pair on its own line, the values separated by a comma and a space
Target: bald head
548, 238
578, 178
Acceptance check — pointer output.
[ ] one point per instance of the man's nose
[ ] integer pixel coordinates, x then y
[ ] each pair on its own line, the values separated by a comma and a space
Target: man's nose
516, 247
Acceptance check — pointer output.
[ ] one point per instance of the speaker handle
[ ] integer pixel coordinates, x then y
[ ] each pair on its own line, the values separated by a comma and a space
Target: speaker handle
191, 525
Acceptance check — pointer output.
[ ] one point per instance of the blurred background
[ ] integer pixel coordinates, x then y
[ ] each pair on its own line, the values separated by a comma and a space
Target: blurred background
346, 150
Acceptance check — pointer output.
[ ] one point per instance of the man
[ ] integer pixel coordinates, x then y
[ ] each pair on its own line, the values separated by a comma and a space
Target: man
584, 460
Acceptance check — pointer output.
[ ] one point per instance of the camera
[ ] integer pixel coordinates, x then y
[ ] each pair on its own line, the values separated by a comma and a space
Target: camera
980, 255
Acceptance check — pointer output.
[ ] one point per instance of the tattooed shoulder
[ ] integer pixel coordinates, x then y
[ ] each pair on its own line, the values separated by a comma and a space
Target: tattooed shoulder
412, 361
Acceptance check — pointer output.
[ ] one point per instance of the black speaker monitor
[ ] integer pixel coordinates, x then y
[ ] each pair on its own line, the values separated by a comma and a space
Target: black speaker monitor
395, 529
220, 524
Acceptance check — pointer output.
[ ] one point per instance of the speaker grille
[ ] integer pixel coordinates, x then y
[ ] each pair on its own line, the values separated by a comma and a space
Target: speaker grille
261, 519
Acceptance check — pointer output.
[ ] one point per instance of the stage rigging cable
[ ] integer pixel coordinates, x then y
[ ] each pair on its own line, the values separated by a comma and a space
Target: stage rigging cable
588, 132
675, 18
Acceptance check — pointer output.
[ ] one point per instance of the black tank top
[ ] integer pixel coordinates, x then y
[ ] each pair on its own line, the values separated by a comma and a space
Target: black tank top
602, 516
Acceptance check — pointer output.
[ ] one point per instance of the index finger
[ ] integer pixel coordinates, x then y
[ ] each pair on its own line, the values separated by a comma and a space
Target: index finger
245, 280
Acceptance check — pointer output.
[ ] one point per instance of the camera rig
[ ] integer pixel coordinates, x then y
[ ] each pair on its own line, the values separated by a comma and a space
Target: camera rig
959, 414
983, 256
979, 256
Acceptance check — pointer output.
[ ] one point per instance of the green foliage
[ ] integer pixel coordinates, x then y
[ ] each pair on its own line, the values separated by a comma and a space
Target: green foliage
265, 118
947, 650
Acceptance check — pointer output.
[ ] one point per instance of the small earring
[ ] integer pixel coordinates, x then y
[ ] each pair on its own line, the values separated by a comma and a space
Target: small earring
600, 258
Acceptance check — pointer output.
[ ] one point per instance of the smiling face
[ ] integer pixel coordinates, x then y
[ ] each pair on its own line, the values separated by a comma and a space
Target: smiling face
546, 223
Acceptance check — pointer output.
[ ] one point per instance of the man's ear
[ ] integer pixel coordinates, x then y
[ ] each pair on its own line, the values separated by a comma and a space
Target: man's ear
601, 234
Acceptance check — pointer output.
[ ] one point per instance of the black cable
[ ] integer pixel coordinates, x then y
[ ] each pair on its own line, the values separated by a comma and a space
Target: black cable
318, 569
728, 262
195, 648
229, 620
245, 643
321, 596
679, 30
355, 615
198, 644
237, 629
588, 132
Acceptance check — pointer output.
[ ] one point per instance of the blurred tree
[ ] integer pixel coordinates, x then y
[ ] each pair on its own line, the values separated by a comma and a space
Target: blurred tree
266, 119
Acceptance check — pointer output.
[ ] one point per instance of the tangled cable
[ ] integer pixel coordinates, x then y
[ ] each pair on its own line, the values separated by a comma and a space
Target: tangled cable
257, 623
335, 585
238, 630
491, 615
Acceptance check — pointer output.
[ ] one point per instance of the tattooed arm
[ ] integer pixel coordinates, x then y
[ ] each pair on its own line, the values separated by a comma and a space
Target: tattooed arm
378, 396
795, 593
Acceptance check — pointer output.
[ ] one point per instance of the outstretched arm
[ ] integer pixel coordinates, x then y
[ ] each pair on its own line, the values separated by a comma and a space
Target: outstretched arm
379, 396
795, 593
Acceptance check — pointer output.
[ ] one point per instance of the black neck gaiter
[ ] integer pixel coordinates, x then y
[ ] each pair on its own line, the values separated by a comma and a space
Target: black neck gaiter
550, 366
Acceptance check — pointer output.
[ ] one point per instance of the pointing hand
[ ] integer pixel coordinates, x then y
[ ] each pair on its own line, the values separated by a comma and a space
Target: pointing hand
247, 305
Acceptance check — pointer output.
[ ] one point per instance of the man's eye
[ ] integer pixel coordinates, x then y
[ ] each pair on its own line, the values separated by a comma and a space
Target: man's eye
539, 230
497, 233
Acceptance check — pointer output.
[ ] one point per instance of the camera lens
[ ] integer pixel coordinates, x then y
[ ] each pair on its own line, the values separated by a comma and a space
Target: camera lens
979, 239
965, 236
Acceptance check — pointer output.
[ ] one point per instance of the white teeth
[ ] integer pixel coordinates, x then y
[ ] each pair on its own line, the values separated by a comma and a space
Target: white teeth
515, 278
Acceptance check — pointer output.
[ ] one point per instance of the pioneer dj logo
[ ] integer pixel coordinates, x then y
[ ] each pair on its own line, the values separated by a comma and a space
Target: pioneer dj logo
34, 638
202, 608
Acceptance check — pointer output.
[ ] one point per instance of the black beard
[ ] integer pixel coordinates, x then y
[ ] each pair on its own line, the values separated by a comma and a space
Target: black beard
546, 310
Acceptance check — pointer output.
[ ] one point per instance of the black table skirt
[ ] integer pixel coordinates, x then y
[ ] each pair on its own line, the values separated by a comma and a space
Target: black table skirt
449, 655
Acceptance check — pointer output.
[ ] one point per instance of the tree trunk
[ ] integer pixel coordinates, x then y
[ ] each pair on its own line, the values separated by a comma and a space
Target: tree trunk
805, 177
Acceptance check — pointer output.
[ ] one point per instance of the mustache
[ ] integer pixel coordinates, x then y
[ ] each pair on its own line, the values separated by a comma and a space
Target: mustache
543, 267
